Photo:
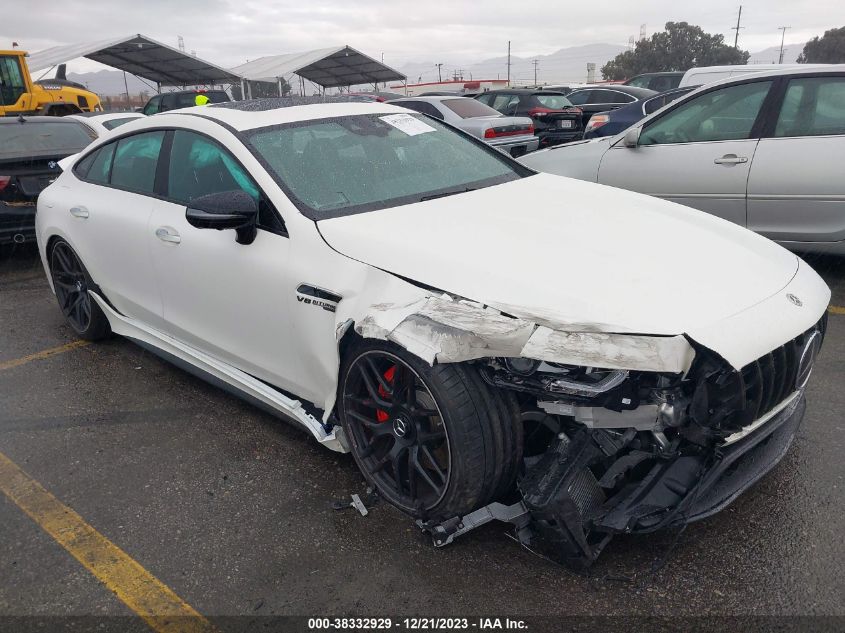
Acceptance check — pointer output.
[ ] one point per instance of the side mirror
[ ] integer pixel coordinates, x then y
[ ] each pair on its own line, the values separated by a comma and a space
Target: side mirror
632, 137
225, 210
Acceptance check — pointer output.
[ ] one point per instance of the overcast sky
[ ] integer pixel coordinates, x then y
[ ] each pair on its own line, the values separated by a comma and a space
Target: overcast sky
455, 32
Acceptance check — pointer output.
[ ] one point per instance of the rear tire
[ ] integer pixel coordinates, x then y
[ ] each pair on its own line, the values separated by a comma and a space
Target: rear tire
435, 441
71, 282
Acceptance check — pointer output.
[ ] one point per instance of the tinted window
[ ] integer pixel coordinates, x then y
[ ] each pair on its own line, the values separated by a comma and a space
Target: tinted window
113, 123
42, 138
152, 105
654, 104
468, 108
168, 102
639, 82
609, 96
199, 166
12, 84
719, 115
553, 102
359, 163
506, 104
423, 107
579, 97
814, 106
95, 167
486, 99
135, 162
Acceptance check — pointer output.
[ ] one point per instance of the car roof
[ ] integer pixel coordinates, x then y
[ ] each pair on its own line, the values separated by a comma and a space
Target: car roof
792, 69
662, 73
432, 98
634, 91
523, 91
106, 115
258, 113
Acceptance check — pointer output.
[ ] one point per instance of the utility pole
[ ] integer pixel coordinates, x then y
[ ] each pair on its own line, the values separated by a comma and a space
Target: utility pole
509, 62
439, 77
782, 37
737, 28
535, 62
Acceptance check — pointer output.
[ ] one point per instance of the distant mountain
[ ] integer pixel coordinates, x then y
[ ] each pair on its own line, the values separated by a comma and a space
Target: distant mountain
564, 65
770, 55
110, 82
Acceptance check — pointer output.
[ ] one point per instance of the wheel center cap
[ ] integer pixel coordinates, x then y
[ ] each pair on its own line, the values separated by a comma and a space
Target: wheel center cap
401, 427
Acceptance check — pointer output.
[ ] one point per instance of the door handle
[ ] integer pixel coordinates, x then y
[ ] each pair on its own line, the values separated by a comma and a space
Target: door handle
731, 159
79, 212
166, 234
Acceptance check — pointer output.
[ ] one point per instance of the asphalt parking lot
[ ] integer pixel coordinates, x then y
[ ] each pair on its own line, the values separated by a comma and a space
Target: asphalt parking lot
230, 508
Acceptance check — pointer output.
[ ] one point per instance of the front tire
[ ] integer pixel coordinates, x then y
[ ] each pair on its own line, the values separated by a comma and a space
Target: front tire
71, 282
435, 441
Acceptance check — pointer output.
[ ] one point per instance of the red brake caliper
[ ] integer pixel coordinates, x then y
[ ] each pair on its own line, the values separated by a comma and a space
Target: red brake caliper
382, 416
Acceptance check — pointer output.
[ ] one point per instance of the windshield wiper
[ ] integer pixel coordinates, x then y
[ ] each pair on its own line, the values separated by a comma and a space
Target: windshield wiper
445, 193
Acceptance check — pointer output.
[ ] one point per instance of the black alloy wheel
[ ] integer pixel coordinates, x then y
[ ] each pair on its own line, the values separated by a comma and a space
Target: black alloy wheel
71, 283
397, 430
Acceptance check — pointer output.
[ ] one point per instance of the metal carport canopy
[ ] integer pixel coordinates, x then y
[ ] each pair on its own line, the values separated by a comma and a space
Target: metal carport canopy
327, 67
140, 56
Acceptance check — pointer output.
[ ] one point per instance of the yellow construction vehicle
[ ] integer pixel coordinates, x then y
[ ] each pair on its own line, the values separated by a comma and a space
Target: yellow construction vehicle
52, 97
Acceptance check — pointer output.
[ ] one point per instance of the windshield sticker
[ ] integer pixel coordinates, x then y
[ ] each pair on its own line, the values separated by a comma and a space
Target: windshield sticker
407, 124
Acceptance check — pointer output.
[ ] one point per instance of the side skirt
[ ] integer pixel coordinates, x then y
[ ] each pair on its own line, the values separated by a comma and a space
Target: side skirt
220, 374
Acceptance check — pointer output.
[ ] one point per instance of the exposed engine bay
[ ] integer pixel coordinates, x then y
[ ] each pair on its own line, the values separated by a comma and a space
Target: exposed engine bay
616, 451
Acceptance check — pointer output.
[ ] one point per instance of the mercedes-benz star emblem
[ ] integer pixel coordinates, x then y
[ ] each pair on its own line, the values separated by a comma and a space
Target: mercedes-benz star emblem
400, 427
794, 300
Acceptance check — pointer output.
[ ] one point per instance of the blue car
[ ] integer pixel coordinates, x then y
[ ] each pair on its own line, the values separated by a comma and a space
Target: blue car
614, 121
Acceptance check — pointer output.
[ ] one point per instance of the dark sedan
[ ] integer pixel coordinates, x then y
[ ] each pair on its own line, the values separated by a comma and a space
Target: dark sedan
614, 121
30, 148
555, 119
593, 99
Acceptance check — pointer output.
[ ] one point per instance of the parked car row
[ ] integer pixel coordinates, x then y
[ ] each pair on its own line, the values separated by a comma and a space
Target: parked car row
763, 150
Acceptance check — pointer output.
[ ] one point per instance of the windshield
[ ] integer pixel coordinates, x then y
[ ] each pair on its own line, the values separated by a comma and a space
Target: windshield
340, 166
553, 102
43, 137
469, 108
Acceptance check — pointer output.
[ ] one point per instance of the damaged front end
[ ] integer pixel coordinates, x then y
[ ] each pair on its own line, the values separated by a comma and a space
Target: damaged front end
611, 451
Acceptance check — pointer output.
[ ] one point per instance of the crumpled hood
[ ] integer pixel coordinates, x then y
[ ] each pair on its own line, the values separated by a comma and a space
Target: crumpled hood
573, 255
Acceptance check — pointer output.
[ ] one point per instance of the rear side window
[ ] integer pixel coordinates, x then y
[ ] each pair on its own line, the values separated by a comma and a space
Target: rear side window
113, 123
506, 104
135, 161
813, 106
468, 108
423, 107
579, 97
553, 102
96, 166
609, 96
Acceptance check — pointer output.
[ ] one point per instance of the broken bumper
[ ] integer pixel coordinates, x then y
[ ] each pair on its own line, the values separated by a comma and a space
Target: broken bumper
691, 488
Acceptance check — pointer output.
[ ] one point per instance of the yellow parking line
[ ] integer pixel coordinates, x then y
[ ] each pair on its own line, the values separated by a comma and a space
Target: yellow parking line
142, 592
47, 353
836, 309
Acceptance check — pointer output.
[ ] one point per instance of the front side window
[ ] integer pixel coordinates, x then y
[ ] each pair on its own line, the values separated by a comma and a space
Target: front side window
506, 104
12, 84
135, 161
199, 167
813, 106
639, 82
720, 115
353, 164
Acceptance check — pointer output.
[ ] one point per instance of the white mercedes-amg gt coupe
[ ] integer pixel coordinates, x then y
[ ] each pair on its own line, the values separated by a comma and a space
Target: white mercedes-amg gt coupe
488, 342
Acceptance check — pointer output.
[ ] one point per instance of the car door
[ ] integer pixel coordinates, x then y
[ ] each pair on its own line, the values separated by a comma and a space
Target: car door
225, 299
795, 189
698, 153
112, 205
